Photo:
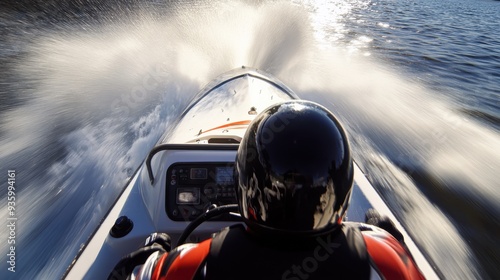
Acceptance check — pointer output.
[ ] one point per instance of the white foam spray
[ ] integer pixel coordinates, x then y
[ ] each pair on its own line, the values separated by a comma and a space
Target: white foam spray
101, 98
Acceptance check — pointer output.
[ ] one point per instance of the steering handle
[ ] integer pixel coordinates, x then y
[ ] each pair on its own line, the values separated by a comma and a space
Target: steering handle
212, 213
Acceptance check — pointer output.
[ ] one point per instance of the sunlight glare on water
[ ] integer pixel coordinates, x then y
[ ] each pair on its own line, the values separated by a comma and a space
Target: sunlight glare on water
97, 99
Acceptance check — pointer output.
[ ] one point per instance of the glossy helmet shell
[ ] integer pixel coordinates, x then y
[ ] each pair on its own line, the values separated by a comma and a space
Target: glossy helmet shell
294, 170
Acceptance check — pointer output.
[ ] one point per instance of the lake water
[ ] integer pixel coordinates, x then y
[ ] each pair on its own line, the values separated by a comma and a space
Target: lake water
88, 88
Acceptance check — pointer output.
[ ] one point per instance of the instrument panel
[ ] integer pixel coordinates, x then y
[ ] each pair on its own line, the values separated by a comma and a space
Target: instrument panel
191, 188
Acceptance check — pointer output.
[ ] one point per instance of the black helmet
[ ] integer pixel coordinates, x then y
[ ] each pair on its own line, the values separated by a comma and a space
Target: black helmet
294, 170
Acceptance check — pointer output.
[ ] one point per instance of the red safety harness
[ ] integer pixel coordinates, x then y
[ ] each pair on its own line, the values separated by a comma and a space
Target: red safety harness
386, 256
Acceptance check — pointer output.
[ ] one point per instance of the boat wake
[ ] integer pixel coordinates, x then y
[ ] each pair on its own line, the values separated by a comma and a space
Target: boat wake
95, 101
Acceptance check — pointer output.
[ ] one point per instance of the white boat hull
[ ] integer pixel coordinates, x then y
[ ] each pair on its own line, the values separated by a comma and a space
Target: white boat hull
217, 117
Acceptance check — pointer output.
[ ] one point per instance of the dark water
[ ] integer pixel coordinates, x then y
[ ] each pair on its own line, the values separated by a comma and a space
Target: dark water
87, 88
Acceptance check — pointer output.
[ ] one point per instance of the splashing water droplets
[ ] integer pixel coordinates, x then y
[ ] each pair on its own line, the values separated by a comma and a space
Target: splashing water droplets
101, 97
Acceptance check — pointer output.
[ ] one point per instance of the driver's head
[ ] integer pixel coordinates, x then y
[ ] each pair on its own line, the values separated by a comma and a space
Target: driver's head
294, 170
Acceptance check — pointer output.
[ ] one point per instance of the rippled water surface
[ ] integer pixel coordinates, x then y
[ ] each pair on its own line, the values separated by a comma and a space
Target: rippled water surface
88, 87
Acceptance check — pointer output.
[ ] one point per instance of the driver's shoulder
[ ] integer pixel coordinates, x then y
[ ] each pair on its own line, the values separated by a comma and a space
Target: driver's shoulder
183, 261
